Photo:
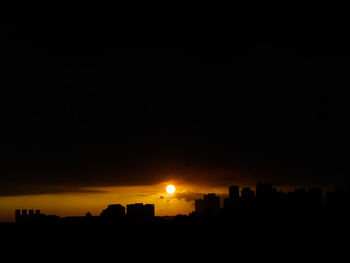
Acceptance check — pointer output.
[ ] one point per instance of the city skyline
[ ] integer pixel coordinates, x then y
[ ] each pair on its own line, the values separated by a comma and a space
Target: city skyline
234, 193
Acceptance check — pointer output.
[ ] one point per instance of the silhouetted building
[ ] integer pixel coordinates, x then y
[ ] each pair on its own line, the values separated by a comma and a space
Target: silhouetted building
209, 204
148, 210
233, 192
32, 217
264, 192
140, 210
88, 214
247, 194
269, 202
17, 215
114, 210
231, 204
266, 205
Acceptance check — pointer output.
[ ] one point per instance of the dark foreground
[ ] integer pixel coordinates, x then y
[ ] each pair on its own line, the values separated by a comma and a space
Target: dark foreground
184, 239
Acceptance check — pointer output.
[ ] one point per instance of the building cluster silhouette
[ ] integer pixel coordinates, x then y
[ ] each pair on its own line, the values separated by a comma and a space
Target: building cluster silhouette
209, 203
133, 210
138, 210
267, 202
113, 211
250, 220
263, 203
29, 216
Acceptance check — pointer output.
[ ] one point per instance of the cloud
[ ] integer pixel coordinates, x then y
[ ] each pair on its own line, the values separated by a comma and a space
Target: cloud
150, 171
148, 194
12, 189
79, 179
188, 195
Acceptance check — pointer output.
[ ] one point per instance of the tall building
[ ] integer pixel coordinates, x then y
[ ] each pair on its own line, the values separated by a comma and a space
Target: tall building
209, 204
17, 215
233, 192
231, 204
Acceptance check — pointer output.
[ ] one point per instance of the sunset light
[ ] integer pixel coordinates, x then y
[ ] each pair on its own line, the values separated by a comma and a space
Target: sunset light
170, 189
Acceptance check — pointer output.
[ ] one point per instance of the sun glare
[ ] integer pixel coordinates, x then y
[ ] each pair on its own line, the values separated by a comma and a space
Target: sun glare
170, 189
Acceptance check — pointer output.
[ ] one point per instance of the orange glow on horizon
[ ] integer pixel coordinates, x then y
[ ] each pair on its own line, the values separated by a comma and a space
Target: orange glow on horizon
79, 203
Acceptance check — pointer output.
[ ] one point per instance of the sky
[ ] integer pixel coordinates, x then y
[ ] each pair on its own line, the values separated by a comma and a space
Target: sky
92, 116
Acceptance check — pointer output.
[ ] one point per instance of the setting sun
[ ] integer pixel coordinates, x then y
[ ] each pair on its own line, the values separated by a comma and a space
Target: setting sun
170, 189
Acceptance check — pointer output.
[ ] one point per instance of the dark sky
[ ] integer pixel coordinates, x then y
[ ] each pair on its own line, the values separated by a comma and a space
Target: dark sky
89, 104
